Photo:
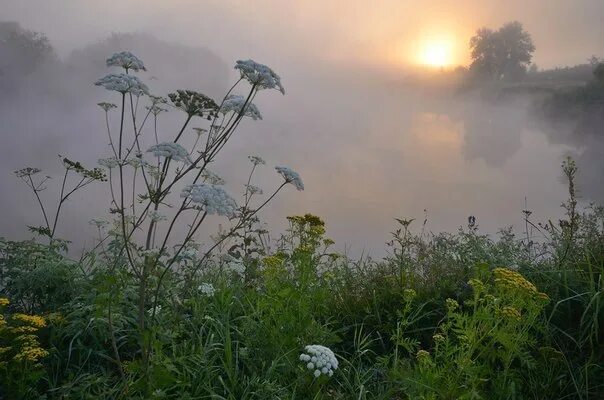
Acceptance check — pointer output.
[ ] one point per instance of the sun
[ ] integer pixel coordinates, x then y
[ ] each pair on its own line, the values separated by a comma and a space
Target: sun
436, 53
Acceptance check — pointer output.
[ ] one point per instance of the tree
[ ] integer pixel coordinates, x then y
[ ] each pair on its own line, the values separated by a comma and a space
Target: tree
22, 51
502, 54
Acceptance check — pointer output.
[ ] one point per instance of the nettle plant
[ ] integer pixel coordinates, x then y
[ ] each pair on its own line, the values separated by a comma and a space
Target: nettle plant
157, 186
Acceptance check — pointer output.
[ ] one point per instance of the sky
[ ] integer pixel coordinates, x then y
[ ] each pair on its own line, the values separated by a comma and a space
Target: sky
369, 145
378, 33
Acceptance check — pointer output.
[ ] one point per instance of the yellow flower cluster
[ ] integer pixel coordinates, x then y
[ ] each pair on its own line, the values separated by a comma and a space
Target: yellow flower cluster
438, 338
476, 284
452, 304
409, 294
511, 312
508, 279
512, 279
31, 353
2, 321
33, 320
273, 261
30, 349
422, 354
4, 301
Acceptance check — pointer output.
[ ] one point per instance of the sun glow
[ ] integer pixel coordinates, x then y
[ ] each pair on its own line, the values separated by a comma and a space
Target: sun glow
436, 53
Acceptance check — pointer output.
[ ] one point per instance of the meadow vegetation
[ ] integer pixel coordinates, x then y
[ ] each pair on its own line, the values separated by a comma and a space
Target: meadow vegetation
149, 313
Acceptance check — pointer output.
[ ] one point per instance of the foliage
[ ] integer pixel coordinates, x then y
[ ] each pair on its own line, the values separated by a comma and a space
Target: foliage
150, 313
502, 54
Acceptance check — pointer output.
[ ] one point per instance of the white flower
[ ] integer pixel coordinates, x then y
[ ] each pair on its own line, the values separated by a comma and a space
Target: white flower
109, 163
211, 198
319, 358
211, 177
126, 60
256, 160
291, 176
259, 74
106, 106
23, 172
207, 289
170, 150
123, 83
234, 103
99, 223
137, 162
156, 216
251, 189
236, 266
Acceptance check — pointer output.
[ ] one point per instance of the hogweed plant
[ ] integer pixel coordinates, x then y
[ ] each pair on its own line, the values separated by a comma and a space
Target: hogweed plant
146, 174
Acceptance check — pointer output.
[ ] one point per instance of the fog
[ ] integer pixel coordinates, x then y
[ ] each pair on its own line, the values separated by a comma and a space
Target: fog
370, 141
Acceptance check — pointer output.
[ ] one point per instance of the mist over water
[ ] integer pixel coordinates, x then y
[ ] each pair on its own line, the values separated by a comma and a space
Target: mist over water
370, 145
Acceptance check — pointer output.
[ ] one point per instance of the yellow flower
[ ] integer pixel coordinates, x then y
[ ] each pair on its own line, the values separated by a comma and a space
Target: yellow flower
452, 304
409, 294
422, 354
22, 329
31, 353
4, 301
438, 338
33, 320
509, 279
476, 284
511, 312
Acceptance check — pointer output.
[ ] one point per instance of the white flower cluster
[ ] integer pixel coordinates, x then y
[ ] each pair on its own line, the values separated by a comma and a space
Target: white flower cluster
137, 161
212, 198
259, 74
211, 177
123, 83
170, 150
236, 266
234, 103
156, 216
257, 160
106, 106
291, 176
207, 289
319, 358
251, 189
109, 163
126, 60
99, 223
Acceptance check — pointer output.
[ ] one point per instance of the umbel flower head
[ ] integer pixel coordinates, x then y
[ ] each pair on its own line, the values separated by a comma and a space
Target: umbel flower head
194, 103
234, 103
170, 150
207, 289
126, 60
320, 359
259, 75
291, 176
210, 177
106, 106
28, 171
109, 163
123, 83
256, 160
212, 199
